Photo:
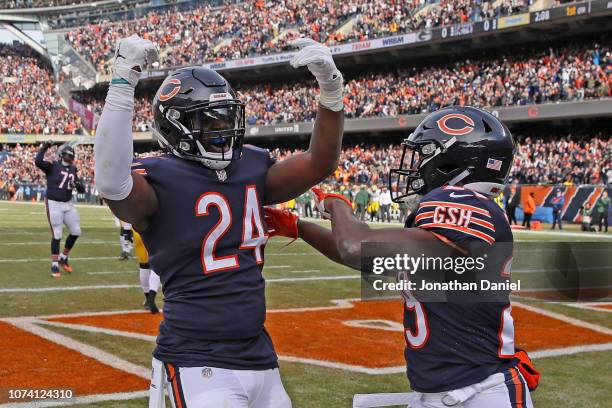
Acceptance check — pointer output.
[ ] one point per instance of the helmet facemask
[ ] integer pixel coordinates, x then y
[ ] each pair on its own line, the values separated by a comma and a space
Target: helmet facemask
409, 179
66, 155
211, 133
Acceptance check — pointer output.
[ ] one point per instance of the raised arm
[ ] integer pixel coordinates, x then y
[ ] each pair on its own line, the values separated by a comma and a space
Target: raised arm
291, 177
39, 160
128, 195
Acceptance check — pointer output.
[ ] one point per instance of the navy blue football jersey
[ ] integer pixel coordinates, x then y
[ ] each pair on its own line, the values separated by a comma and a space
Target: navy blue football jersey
453, 345
207, 242
61, 179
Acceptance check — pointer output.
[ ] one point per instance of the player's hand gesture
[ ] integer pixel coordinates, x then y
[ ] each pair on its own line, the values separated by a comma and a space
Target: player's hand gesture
132, 55
318, 59
281, 223
320, 200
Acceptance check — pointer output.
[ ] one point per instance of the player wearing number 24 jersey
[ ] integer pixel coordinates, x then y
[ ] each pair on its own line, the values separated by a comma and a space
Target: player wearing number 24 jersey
199, 209
458, 354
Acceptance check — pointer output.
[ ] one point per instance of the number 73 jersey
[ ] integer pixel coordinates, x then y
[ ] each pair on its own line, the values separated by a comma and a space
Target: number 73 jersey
207, 242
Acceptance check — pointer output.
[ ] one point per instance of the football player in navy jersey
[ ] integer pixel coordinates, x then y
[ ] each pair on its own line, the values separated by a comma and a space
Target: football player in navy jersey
62, 178
199, 210
457, 354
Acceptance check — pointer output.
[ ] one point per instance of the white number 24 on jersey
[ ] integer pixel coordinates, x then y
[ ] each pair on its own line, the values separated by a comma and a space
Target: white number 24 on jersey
254, 235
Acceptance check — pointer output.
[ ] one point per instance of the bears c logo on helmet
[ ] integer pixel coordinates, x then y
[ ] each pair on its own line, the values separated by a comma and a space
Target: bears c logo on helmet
467, 128
169, 95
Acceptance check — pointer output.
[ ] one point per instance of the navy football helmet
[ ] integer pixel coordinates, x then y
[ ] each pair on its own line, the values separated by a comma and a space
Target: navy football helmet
197, 116
66, 154
455, 145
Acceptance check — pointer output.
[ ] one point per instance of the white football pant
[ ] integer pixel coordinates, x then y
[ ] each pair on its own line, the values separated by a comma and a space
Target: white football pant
62, 213
211, 387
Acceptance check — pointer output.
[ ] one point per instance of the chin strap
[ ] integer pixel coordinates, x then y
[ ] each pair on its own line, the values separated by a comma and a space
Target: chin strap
458, 178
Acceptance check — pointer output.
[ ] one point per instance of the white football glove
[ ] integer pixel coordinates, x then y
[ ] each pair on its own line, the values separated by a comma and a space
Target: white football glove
132, 55
317, 57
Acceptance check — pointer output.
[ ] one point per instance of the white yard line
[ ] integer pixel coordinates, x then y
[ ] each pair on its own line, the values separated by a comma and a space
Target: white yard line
592, 306
564, 318
111, 272
101, 258
88, 399
94, 329
312, 278
81, 242
566, 351
579, 269
88, 314
87, 258
95, 287
565, 234
95, 353
66, 288
41, 204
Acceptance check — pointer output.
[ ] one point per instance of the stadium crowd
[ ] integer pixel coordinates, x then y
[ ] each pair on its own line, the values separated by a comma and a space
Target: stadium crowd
29, 99
19, 4
572, 72
567, 160
259, 27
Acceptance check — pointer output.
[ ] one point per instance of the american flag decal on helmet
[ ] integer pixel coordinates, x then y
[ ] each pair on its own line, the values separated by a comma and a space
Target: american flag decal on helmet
494, 164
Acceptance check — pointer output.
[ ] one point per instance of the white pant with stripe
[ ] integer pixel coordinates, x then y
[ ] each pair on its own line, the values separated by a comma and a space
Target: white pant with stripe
211, 387
501, 390
63, 213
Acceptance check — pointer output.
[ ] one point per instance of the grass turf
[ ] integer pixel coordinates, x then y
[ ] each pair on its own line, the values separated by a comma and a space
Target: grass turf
577, 380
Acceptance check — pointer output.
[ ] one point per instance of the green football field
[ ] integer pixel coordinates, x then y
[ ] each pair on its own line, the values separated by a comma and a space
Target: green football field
57, 333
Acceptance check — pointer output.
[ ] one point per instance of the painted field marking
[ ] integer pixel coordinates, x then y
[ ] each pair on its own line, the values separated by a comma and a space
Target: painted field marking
87, 258
93, 329
41, 204
66, 288
81, 242
564, 318
593, 306
111, 272
28, 325
102, 258
96, 287
370, 324
307, 271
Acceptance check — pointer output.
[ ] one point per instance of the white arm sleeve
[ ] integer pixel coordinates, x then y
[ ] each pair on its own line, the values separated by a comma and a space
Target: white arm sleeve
113, 146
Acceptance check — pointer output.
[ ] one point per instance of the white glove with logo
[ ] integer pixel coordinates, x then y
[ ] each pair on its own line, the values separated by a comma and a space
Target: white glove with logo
317, 57
132, 55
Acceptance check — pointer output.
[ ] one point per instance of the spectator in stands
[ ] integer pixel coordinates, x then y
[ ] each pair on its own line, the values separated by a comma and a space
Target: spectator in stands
29, 99
566, 73
256, 27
